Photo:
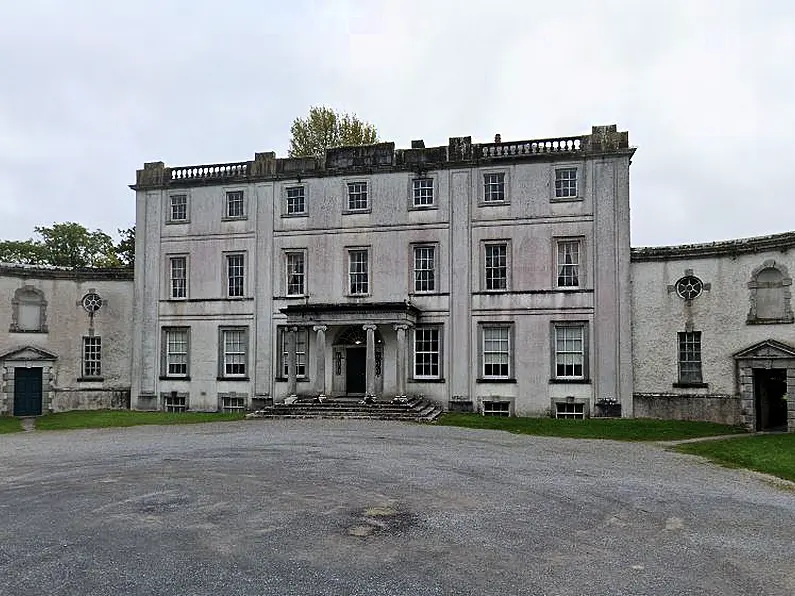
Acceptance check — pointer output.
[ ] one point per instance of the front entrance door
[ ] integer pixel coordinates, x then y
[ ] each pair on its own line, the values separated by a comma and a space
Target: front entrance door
770, 387
27, 391
355, 370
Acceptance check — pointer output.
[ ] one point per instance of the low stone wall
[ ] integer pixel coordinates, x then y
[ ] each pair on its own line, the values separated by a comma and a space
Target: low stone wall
90, 399
723, 409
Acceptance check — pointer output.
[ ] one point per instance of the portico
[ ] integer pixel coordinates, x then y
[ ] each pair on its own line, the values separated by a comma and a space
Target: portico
368, 340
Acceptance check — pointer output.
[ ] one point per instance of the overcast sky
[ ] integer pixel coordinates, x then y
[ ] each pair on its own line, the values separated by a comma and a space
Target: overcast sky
91, 89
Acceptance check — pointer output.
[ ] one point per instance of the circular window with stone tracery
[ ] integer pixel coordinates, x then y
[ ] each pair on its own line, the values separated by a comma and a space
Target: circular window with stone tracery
92, 302
689, 287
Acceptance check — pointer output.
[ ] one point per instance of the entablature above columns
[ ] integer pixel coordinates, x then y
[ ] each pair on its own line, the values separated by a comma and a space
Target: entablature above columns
377, 313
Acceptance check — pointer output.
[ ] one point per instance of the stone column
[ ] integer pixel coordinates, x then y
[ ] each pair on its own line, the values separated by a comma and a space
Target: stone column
320, 363
370, 359
401, 360
291, 372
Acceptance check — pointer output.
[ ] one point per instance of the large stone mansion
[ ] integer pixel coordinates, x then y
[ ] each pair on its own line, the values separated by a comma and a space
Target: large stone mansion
493, 276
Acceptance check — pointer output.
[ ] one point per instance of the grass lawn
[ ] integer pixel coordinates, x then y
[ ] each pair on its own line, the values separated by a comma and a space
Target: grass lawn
9, 425
772, 454
617, 429
108, 418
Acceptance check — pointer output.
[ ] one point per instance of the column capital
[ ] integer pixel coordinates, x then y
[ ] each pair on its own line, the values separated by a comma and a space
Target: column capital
369, 327
319, 327
400, 326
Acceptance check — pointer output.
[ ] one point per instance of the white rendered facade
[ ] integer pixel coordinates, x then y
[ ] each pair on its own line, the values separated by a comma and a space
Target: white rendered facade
493, 274
65, 342
714, 333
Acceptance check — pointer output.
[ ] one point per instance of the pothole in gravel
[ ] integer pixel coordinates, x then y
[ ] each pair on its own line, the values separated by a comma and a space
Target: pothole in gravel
379, 519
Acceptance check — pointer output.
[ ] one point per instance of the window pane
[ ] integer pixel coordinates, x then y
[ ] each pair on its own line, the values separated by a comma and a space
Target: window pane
496, 351
92, 356
426, 352
235, 274
357, 195
424, 269
179, 277
494, 187
496, 266
358, 272
423, 192
234, 352
177, 352
690, 357
565, 183
300, 352
569, 351
295, 200
295, 274
569, 263
235, 204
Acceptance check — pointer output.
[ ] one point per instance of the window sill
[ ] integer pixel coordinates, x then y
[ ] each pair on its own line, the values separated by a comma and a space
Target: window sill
235, 218
566, 200
295, 296
174, 378
222, 378
238, 298
177, 299
421, 294
433, 207
568, 288
12, 330
690, 385
291, 215
781, 321
176, 222
90, 379
555, 381
357, 211
440, 380
482, 380
483, 203
286, 380
501, 291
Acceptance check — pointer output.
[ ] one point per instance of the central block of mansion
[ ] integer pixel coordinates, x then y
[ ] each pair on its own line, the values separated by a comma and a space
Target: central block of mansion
493, 274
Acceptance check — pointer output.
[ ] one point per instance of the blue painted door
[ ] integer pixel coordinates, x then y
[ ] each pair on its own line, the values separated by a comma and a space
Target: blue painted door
27, 391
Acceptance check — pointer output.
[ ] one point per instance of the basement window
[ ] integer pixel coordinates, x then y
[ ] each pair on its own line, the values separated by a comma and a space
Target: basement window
175, 403
569, 410
233, 404
497, 408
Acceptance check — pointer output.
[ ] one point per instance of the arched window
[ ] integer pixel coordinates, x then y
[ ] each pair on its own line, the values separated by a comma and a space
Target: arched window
28, 310
770, 294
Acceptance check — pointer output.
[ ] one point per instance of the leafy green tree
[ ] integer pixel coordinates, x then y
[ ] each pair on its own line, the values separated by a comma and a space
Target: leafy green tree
24, 252
65, 245
72, 245
324, 128
125, 249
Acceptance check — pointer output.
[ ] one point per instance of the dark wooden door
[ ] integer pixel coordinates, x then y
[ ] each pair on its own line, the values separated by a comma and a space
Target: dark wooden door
770, 387
355, 370
27, 391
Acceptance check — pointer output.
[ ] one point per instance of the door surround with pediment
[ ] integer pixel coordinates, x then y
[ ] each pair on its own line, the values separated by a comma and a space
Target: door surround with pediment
768, 354
25, 357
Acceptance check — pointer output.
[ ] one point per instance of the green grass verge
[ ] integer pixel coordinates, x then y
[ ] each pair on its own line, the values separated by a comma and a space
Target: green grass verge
772, 454
9, 425
111, 418
617, 429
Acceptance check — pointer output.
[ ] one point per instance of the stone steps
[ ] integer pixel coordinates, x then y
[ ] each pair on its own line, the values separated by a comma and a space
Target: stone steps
414, 410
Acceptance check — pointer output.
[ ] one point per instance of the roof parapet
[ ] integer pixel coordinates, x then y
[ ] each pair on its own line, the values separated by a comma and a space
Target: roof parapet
603, 139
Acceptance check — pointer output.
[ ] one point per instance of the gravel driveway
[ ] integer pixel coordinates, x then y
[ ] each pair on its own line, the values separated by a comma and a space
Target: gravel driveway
358, 507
